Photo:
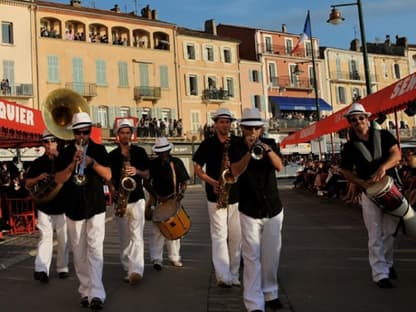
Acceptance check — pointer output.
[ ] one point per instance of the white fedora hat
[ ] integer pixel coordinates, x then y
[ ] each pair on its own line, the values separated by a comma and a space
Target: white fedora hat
251, 118
80, 120
46, 135
162, 145
222, 113
357, 109
124, 123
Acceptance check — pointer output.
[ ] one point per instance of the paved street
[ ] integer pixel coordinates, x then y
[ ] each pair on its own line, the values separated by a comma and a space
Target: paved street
323, 267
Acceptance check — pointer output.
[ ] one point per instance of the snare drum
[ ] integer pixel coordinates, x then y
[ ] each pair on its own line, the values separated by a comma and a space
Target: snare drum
171, 219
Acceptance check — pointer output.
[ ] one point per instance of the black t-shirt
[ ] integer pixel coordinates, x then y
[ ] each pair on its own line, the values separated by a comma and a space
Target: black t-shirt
83, 202
258, 193
210, 154
45, 165
353, 158
161, 175
139, 160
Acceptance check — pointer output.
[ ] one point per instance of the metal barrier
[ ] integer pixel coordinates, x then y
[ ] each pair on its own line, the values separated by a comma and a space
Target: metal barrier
22, 215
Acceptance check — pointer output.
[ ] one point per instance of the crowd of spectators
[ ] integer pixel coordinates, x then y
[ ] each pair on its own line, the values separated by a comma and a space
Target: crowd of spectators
158, 127
5, 87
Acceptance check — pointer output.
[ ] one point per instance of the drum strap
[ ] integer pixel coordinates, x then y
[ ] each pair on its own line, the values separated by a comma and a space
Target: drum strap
376, 143
172, 167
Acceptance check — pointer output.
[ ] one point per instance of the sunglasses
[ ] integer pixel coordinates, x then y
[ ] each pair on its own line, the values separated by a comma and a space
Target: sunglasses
49, 141
252, 127
356, 119
84, 132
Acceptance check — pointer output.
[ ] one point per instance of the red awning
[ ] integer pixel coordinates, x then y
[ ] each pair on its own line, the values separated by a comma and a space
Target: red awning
20, 126
394, 97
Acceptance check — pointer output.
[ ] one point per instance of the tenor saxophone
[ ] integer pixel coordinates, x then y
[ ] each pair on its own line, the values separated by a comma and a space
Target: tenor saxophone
226, 178
127, 185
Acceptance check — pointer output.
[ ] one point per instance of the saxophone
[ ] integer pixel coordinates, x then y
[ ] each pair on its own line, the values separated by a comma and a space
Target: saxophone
127, 185
226, 179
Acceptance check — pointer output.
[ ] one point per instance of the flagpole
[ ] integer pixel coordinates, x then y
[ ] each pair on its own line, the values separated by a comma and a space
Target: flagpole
315, 81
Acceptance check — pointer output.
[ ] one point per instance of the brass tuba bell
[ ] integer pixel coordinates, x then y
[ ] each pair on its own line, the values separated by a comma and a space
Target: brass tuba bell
57, 111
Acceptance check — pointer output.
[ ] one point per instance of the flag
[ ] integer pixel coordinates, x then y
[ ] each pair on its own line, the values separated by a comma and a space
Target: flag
305, 35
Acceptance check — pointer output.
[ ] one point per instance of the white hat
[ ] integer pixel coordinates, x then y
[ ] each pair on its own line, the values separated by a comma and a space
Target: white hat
80, 120
356, 108
46, 135
124, 123
162, 145
223, 113
251, 117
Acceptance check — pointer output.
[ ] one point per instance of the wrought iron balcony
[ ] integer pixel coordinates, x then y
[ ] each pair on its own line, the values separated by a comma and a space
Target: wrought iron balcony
295, 83
348, 75
23, 90
147, 93
214, 95
283, 50
84, 89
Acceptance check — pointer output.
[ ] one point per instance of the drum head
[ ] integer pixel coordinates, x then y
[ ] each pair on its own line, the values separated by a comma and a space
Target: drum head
380, 187
165, 210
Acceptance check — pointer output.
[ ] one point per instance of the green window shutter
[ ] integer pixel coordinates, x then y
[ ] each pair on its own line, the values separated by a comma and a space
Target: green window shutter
144, 75
8, 71
253, 101
123, 79
101, 72
250, 75
53, 68
263, 103
164, 77
111, 115
94, 114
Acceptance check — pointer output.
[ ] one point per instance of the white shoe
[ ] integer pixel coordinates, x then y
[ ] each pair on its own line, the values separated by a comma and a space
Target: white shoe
177, 263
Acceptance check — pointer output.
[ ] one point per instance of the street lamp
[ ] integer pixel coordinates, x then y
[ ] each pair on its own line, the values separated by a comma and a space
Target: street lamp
335, 18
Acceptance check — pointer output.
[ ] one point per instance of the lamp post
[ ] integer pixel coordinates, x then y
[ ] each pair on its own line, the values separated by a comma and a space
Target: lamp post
336, 18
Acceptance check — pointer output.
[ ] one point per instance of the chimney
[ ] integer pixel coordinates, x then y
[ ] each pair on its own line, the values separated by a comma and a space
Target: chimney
115, 9
154, 15
211, 27
355, 45
284, 28
76, 3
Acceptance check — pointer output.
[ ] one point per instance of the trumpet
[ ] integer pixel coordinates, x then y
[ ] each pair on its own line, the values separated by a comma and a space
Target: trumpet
257, 150
79, 177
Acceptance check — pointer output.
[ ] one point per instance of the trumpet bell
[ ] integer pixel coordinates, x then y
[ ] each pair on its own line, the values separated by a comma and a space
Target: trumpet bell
58, 109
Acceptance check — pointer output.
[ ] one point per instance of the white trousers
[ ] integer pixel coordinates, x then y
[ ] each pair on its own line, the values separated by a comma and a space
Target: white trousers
261, 247
226, 241
131, 228
380, 228
46, 224
157, 241
87, 238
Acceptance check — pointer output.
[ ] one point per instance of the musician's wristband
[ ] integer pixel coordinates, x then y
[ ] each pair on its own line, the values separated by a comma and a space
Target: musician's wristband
92, 163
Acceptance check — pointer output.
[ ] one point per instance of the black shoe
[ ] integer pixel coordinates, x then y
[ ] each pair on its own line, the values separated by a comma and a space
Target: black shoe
384, 283
63, 275
41, 276
84, 302
256, 311
157, 265
96, 304
274, 304
392, 273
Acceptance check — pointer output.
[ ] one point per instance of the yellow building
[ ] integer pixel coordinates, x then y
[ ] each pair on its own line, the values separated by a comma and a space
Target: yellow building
122, 64
208, 76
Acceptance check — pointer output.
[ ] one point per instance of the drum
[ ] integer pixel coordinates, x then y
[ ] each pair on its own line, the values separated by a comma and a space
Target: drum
171, 219
387, 196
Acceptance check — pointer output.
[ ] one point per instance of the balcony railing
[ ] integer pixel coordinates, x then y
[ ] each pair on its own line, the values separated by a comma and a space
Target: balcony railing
283, 50
146, 92
409, 133
215, 95
295, 83
23, 89
84, 89
290, 124
355, 76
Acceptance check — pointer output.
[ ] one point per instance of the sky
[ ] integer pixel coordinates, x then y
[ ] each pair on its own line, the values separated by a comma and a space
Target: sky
381, 17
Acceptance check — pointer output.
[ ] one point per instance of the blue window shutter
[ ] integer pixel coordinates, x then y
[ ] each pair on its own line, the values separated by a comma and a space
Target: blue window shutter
144, 75
101, 72
111, 115
122, 74
53, 68
164, 77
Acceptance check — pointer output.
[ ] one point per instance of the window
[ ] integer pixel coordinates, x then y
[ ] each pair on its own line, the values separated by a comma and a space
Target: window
256, 102
190, 51
53, 68
288, 45
101, 72
356, 94
164, 77
272, 75
268, 44
124, 111
254, 75
195, 121
338, 67
212, 83
227, 55
341, 95
193, 85
209, 53
7, 32
354, 75
385, 70
103, 116
311, 77
123, 79
230, 86
396, 71
308, 46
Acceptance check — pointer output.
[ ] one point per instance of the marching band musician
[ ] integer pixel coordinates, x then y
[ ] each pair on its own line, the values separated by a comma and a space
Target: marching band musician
168, 177
50, 215
261, 212
224, 223
83, 166
131, 225
367, 157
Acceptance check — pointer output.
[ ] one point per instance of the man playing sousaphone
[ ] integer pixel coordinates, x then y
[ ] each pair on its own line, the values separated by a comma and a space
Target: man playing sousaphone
168, 178
129, 161
50, 212
367, 157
